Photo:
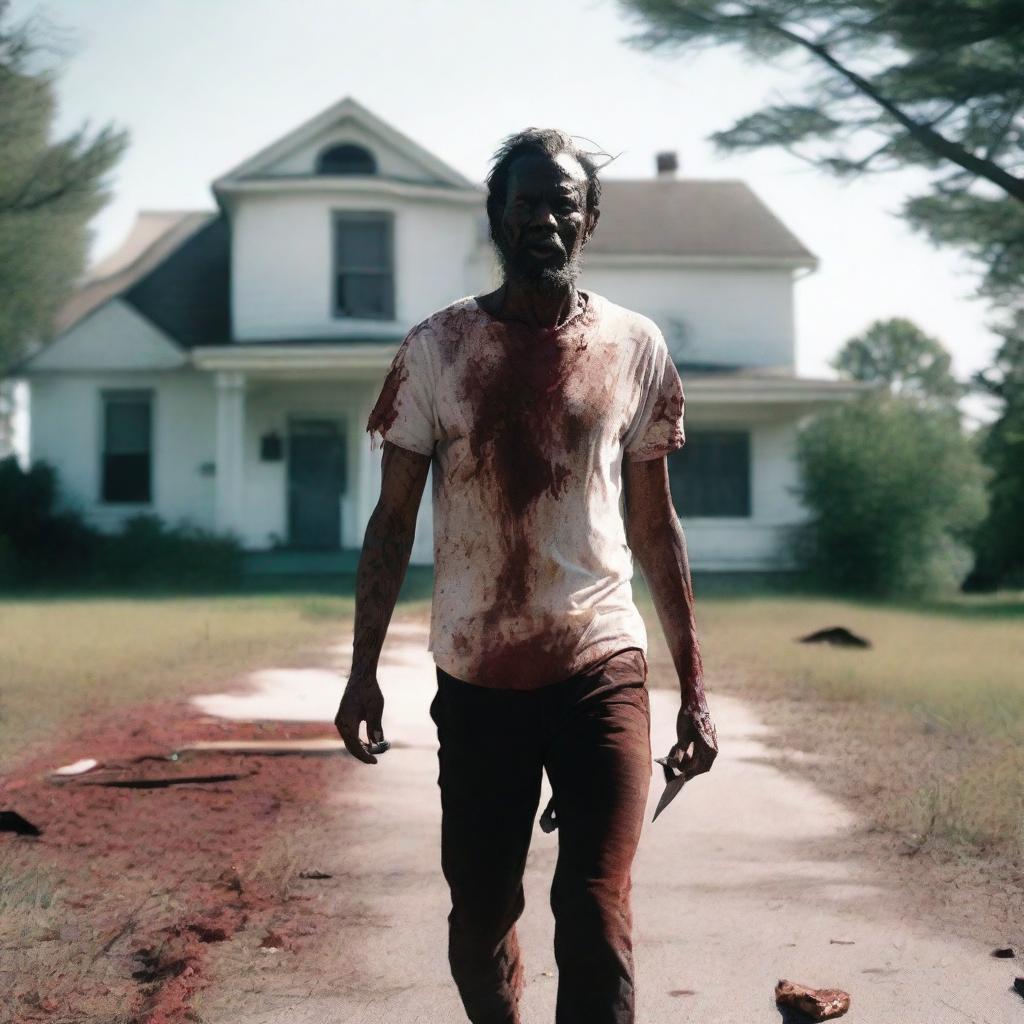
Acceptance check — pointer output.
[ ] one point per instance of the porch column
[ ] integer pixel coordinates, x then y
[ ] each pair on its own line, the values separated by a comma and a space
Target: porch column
230, 475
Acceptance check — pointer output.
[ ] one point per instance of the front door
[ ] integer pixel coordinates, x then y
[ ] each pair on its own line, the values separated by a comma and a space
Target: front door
316, 482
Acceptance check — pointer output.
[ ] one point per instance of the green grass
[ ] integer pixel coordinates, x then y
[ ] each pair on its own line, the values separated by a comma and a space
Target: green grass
943, 681
941, 691
65, 654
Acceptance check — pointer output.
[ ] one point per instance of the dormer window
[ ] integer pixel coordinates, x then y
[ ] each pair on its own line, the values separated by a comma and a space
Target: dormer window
346, 158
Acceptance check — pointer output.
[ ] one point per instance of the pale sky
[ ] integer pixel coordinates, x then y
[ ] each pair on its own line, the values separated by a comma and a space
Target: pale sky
203, 84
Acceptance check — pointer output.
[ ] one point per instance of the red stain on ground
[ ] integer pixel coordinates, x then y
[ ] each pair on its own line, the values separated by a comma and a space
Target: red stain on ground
146, 880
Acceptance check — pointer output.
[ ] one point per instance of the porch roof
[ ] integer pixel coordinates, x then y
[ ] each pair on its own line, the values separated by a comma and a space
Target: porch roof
766, 387
702, 382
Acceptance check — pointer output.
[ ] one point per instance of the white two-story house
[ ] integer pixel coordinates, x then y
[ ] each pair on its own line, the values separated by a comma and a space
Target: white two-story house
220, 366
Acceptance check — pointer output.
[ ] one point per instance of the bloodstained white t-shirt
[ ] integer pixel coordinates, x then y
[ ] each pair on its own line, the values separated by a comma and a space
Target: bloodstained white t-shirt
527, 429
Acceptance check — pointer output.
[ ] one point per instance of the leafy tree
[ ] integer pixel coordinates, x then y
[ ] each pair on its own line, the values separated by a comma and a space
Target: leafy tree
49, 191
933, 84
894, 491
1000, 539
899, 355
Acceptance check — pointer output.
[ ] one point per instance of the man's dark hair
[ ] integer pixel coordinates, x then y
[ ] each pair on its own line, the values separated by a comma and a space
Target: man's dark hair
536, 142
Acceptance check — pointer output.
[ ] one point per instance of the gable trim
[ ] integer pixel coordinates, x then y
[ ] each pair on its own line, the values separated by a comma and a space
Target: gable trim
613, 259
28, 367
346, 108
362, 186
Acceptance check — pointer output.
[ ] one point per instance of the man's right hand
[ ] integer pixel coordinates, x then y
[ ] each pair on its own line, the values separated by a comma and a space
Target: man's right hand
361, 702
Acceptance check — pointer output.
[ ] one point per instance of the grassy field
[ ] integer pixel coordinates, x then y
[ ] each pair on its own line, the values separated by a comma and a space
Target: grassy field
62, 655
933, 713
926, 727
923, 735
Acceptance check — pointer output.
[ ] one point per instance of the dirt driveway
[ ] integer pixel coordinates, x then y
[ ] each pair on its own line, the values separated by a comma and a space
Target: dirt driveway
745, 880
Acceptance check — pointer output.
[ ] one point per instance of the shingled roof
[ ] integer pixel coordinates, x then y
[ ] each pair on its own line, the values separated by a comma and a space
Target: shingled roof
174, 266
187, 295
691, 218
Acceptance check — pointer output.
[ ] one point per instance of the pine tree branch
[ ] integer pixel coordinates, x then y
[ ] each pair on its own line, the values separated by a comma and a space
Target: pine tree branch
922, 132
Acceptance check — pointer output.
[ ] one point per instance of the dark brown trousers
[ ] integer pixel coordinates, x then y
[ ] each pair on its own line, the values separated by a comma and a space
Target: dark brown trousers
591, 733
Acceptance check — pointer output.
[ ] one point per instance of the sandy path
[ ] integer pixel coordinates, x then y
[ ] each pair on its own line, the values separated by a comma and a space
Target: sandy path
741, 882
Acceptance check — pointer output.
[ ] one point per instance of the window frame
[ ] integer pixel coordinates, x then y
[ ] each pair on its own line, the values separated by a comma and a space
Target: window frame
693, 435
331, 147
387, 219
107, 395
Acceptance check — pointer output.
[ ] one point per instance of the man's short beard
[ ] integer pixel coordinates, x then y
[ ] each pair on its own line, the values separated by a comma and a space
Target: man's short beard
537, 275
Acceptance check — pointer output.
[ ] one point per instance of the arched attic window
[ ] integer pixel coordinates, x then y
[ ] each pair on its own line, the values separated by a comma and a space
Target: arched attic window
346, 158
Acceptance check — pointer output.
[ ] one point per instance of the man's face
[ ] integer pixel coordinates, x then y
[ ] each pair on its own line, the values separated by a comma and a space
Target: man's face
544, 224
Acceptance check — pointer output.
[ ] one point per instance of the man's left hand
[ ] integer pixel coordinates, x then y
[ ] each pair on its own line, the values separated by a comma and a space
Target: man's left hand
696, 745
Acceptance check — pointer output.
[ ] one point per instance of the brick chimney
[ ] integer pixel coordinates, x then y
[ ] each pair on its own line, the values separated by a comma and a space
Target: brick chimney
667, 164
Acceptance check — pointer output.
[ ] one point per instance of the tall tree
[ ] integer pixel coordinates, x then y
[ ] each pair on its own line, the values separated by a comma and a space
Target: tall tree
1000, 540
50, 188
934, 84
898, 354
894, 492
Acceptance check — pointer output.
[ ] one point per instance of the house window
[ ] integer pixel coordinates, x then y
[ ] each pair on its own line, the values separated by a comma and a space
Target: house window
346, 158
710, 474
364, 280
127, 447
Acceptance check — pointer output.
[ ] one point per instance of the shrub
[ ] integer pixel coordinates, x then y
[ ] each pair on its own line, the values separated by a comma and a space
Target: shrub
999, 541
41, 545
37, 542
148, 553
894, 491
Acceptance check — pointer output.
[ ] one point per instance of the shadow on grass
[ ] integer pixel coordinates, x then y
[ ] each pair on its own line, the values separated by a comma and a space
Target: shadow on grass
1000, 604
418, 586
419, 581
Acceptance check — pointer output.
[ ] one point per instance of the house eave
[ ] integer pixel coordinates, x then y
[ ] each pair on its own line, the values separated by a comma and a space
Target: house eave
345, 109
770, 390
312, 184
655, 260
264, 357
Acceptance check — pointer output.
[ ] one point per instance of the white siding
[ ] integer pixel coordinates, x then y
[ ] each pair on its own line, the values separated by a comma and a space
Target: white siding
732, 315
269, 405
282, 268
113, 337
66, 431
755, 541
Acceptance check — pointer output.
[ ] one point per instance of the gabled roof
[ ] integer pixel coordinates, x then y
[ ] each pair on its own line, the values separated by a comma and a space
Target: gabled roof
344, 110
173, 268
154, 235
691, 217
188, 294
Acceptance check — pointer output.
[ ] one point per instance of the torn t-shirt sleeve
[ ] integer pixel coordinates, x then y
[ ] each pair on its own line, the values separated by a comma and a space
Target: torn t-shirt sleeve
404, 411
657, 428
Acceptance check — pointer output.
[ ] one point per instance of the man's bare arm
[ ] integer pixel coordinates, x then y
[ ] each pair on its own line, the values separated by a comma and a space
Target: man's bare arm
382, 567
656, 538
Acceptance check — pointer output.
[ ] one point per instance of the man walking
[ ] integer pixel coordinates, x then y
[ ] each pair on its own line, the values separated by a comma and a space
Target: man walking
541, 406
